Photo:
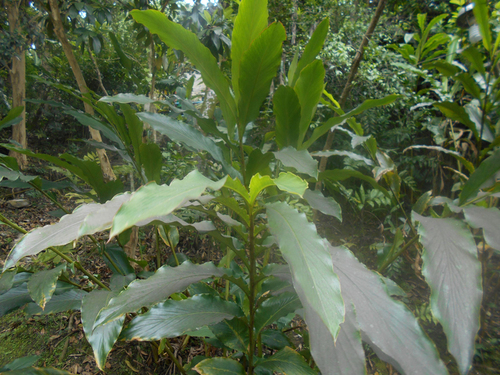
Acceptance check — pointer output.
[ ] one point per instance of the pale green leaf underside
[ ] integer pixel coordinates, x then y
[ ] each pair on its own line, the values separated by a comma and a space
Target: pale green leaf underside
301, 160
42, 284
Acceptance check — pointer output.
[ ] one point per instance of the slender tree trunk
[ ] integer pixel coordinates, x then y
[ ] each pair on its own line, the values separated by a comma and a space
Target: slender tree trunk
350, 78
152, 68
55, 15
18, 80
99, 75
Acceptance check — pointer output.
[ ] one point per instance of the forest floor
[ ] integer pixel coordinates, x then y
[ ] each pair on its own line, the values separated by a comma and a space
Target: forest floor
60, 342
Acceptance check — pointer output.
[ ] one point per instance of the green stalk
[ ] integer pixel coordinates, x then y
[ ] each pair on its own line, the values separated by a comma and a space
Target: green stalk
396, 255
170, 352
157, 244
252, 276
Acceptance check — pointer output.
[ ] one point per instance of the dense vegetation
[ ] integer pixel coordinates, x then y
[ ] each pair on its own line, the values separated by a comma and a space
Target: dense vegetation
340, 159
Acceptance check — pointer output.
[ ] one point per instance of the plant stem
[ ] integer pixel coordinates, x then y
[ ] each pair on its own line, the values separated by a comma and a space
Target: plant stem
242, 162
395, 256
252, 275
170, 352
157, 244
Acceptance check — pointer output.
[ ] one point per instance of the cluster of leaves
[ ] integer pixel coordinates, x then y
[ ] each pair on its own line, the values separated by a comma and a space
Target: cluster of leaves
342, 302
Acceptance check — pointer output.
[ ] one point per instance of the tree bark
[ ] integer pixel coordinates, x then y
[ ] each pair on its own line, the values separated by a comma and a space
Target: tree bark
350, 78
17, 73
55, 15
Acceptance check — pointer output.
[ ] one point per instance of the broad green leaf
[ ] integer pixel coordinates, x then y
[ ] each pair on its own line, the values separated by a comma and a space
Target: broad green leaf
6, 281
177, 37
135, 130
154, 200
469, 84
286, 108
312, 49
156, 288
14, 298
12, 118
475, 58
275, 339
291, 183
119, 258
248, 25
20, 363
236, 186
101, 338
343, 174
326, 205
309, 88
387, 325
257, 184
101, 216
287, 361
301, 160
349, 154
367, 104
467, 164
175, 318
274, 308
452, 270
483, 173
481, 14
61, 233
312, 271
257, 163
37, 371
42, 284
124, 60
151, 159
88, 120
219, 366
489, 220
70, 300
457, 113
258, 67
233, 333
482, 124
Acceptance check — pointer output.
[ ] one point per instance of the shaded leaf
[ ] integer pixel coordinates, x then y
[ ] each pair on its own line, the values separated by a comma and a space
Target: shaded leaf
326, 205
233, 333
42, 284
101, 338
287, 361
274, 308
457, 113
151, 159
286, 108
20, 363
274, 339
453, 272
488, 219
349, 154
307, 254
218, 366
70, 300
157, 288
483, 173
175, 318
6, 281
343, 174
14, 298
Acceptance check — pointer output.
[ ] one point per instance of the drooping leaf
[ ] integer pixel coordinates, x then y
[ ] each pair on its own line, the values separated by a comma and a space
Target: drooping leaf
287, 361
156, 288
291, 183
275, 339
274, 308
249, 23
218, 366
88, 120
312, 271
483, 173
12, 118
349, 154
313, 47
301, 160
154, 200
70, 300
309, 88
286, 108
367, 104
453, 271
119, 258
488, 219
61, 233
233, 333
175, 318
326, 205
457, 113
6, 281
43, 284
127, 98
386, 325
175, 36
101, 338
258, 67
20, 363
467, 164
343, 174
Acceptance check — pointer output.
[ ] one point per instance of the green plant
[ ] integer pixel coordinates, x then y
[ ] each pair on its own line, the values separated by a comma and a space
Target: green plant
342, 302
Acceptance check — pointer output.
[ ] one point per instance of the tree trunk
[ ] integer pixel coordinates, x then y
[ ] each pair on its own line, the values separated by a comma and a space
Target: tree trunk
55, 15
350, 78
17, 74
